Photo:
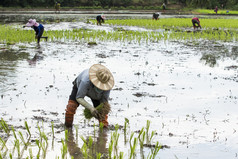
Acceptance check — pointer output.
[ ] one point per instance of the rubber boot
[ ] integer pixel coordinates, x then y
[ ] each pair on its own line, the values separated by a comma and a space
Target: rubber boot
70, 111
104, 121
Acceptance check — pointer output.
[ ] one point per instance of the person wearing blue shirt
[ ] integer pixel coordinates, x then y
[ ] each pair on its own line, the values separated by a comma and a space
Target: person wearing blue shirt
100, 19
95, 83
39, 29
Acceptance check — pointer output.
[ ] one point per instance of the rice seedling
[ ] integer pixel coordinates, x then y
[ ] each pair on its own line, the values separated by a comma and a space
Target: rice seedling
30, 153
63, 149
10, 155
66, 134
154, 151
121, 155
5, 126
90, 142
22, 138
52, 129
14, 133
27, 128
133, 148
39, 146
17, 144
3, 144
103, 109
141, 137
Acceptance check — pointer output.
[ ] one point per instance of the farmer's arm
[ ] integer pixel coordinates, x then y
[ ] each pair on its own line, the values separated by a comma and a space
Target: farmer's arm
82, 92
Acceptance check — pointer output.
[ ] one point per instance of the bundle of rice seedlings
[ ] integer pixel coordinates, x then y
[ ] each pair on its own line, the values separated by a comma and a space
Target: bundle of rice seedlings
103, 109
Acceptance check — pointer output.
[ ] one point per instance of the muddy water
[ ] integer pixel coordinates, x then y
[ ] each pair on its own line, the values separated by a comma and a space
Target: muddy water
187, 91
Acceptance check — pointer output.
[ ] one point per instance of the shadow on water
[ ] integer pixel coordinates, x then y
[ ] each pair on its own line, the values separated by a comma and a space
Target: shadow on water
98, 145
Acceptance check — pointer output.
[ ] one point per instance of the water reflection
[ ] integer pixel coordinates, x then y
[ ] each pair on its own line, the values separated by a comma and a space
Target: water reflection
98, 145
37, 57
9, 61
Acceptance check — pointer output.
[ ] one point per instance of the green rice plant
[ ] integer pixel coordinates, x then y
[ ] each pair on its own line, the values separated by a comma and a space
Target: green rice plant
147, 130
116, 136
133, 148
22, 138
85, 141
27, 128
17, 144
121, 155
10, 155
84, 150
39, 145
30, 153
63, 149
66, 134
126, 123
154, 151
141, 137
90, 142
99, 155
5, 126
101, 125
152, 135
3, 144
14, 133
110, 148
131, 137
52, 129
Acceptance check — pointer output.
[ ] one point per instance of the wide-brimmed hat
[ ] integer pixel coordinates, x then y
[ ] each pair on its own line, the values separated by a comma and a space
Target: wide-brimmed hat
101, 77
32, 22
103, 16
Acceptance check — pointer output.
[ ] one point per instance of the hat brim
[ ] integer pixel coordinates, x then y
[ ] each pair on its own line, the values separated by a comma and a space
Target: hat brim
29, 24
93, 78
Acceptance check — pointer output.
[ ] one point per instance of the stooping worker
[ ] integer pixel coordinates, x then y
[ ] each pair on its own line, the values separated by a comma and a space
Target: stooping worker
39, 29
155, 16
95, 83
57, 7
100, 19
195, 21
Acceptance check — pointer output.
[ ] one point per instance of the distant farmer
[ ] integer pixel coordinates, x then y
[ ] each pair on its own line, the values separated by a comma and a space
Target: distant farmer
100, 19
57, 7
95, 83
216, 9
195, 21
39, 29
155, 16
163, 7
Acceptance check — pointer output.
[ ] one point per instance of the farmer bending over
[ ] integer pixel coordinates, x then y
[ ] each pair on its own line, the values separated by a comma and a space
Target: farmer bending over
100, 19
155, 16
39, 29
94, 83
195, 21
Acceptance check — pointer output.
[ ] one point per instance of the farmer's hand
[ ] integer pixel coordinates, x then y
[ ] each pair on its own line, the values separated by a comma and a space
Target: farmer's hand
94, 112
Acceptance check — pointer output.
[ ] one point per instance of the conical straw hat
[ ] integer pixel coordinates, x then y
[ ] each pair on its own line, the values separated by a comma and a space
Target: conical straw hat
101, 77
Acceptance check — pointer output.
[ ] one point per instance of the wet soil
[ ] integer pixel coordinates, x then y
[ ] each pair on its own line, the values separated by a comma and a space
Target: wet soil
188, 91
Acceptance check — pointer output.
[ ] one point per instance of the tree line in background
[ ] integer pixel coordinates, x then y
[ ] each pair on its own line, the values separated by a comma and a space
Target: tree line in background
206, 4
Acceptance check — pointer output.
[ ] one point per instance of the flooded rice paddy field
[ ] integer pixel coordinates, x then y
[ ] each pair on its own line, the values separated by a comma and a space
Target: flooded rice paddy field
187, 91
